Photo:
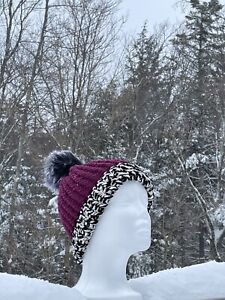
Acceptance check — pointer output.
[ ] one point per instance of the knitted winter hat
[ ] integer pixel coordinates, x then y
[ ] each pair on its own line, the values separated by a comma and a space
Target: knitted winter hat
84, 190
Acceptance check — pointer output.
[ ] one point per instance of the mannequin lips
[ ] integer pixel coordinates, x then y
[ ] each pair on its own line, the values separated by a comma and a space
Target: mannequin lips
144, 231
144, 227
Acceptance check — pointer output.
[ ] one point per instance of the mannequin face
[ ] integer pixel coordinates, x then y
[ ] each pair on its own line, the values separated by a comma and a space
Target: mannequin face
125, 222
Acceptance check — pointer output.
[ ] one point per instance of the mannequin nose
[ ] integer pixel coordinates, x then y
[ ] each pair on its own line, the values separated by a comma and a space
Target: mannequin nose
144, 217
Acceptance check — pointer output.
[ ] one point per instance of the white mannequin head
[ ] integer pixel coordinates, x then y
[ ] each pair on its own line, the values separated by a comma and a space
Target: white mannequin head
123, 229
125, 222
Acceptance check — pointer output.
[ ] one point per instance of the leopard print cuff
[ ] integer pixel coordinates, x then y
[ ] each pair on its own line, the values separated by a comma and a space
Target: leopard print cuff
99, 198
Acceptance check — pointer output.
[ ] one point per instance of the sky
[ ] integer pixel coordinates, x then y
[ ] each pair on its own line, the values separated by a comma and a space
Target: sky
154, 11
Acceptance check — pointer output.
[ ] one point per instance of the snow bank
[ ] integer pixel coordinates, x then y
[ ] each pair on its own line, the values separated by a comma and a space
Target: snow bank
203, 281
198, 282
17, 287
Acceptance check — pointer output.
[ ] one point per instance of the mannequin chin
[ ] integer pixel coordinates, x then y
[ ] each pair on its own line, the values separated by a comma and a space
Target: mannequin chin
123, 229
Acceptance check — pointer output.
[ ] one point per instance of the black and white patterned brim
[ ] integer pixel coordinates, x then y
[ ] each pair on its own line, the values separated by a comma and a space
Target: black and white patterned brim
99, 198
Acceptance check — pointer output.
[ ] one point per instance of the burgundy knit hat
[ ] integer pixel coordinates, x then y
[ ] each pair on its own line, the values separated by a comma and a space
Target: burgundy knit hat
84, 190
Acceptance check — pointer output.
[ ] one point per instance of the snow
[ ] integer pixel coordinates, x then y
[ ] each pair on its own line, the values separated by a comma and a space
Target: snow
198, 282
219, 214
53, 203
204, 281
193, 161
17, 287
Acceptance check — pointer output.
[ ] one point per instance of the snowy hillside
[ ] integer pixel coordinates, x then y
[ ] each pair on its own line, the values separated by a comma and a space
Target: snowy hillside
204, 281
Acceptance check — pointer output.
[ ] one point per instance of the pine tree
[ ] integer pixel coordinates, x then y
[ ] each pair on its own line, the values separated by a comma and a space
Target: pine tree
197, 47
146, 93
196, 44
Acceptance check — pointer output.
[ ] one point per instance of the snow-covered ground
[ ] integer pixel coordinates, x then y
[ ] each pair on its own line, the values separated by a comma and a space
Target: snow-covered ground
198, 282
204, 281
17, 287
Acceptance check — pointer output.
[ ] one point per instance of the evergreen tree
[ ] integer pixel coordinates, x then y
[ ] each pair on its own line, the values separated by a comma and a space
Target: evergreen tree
146, 94
197, 44
199, 112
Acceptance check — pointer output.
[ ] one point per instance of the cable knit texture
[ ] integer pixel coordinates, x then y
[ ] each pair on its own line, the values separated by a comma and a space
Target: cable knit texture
75, 188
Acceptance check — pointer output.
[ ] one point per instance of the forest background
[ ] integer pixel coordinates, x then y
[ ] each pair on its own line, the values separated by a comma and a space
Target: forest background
68, 80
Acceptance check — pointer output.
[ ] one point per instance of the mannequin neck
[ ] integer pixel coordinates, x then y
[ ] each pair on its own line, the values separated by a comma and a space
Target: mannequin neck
95, 266
104, 276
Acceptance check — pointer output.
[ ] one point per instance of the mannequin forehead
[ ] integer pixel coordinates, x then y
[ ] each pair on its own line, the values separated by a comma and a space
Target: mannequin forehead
130, 189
